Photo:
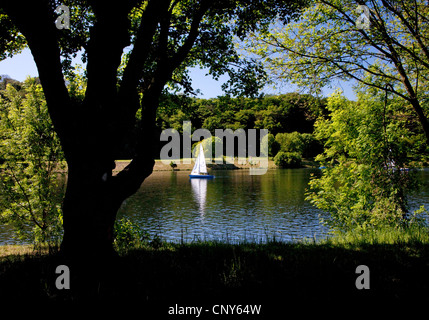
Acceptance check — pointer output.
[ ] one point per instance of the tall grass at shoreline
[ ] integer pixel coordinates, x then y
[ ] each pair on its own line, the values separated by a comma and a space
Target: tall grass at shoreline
129, 237
199, 272
391, 236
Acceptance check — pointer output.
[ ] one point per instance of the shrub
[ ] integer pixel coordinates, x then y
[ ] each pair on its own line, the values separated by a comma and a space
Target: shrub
273, 145
288, 159
31, 173
128, 235
290, 142
366, 189
311, 146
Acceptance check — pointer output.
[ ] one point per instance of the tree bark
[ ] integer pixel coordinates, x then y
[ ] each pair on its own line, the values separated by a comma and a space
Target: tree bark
94, 195
422, 117
89, 211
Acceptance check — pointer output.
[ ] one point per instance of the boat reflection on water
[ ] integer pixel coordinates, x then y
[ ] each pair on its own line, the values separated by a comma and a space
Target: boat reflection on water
199, 188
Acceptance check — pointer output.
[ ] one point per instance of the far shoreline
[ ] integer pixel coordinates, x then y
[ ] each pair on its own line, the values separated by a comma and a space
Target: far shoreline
180, 166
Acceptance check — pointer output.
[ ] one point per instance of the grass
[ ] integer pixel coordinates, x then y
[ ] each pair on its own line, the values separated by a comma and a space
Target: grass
12, 250
279, 276
412, 235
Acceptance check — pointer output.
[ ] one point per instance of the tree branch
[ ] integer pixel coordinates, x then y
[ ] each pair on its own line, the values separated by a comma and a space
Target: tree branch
130, 178
108, 37
141, 50
414, 33
361, 31
175, 61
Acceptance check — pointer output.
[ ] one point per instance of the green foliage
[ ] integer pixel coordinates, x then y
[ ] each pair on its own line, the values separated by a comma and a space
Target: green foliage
208, 144
311, 146
11, 40
288, 159
32, 185
273, 145
128, 235
214, 45
284, 113
396, 235
305, 144
279, 114
366, 145
5, 80
76, 83
325, 45
290, 142
290, 115
173, 165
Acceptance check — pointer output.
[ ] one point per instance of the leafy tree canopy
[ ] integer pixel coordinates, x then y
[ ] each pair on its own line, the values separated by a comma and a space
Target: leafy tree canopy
368, 144
327, 43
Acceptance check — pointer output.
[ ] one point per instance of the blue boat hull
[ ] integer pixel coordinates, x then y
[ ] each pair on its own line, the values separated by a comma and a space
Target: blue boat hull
201, 176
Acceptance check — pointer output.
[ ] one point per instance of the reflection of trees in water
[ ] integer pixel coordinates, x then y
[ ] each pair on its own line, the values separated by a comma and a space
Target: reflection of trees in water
285, 187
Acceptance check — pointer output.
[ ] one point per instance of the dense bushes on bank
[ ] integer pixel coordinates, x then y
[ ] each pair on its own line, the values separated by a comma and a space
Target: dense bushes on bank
288, 159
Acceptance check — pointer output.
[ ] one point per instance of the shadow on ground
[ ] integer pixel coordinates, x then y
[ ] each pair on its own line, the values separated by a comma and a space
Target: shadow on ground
281, 278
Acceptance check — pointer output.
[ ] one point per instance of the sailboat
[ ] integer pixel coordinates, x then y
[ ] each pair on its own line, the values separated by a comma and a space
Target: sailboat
200, 168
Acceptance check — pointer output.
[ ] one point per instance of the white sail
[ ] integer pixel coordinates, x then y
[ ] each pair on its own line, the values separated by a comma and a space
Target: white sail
203, 167
195, 169
200, 164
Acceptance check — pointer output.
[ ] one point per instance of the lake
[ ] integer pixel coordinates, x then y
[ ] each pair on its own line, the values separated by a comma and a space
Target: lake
235, 206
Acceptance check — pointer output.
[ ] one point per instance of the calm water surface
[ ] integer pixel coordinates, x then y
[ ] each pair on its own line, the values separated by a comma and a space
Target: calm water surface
234, 206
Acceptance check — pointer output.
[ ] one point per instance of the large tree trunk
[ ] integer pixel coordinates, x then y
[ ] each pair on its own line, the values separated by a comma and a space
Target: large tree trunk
92, 200
89, 211
94, 195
